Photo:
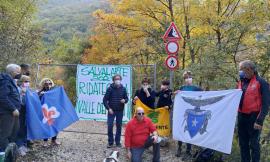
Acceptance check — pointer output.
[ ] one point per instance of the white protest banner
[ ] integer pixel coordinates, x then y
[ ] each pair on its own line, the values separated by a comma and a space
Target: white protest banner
206, 119
92, 82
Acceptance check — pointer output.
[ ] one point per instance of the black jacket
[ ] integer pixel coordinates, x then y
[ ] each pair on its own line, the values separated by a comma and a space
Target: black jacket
148, 101
113, 96
165, 98
9, 95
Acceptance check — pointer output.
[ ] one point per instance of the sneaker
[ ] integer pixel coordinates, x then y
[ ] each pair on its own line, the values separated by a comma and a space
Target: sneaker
25, 149
109, 145
21, 151
54, 142
45, 144
11, 152
178, 153
119, 145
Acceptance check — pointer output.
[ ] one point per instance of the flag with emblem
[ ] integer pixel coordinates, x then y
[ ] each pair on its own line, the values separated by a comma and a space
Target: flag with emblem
47, 117
206, 119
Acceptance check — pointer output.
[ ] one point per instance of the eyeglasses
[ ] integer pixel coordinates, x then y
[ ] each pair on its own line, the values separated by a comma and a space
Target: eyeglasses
141, 114
48, 84
26, 81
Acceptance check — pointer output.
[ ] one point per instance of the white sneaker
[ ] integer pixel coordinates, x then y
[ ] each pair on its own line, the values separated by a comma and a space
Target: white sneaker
21, 151
25, 149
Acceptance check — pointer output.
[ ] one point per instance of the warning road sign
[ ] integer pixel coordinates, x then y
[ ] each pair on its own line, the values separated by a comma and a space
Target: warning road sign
172, 47
172, 33
172, 62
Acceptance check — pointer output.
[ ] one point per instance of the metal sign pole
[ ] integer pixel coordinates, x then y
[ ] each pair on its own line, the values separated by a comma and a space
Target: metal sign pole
171, 78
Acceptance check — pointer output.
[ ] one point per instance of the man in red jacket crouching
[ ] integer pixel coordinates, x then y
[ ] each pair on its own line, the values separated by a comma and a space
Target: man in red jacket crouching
140, 134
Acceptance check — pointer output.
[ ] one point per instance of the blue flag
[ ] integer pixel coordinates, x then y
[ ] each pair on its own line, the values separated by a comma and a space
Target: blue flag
47, 117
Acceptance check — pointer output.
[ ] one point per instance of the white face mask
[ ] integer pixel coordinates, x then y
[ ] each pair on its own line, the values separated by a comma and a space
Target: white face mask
27, 84
188, 81
117, 82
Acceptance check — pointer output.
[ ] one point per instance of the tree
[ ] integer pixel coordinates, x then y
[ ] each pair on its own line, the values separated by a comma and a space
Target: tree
19, 38
216, 36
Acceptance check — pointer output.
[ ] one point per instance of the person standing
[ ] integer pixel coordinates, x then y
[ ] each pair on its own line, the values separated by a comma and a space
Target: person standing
47, 84
114, 101
164, 95
10, 104
253, 108
25, 69
145, 94
187, 76
21, 140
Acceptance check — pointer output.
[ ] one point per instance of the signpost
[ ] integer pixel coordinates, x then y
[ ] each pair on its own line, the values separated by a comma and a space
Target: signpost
171, 38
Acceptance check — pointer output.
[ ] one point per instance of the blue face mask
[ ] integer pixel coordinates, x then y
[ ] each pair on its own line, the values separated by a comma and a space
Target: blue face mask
242, 75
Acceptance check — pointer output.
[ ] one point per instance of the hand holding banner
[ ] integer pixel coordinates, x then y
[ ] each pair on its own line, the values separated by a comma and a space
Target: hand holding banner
159, 116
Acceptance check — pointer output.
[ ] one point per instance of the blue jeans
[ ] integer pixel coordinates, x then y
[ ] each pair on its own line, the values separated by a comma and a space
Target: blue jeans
119, 117
136, 153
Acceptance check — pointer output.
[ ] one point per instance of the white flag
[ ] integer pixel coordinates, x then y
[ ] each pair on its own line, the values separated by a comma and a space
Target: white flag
206, 118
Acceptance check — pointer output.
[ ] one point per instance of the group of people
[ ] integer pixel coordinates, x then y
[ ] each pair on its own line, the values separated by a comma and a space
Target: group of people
141, 133
13, 127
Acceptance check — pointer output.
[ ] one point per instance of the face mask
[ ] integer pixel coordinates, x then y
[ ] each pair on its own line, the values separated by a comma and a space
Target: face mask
16, 81
18, 76
163, 87
117, 82
27, 84
188, 80
242, 75
145, 86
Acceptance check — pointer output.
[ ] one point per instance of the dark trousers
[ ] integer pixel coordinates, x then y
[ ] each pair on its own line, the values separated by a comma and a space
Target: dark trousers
119, 117
188, 146
21, 139
9, 126
249, 138
136, 153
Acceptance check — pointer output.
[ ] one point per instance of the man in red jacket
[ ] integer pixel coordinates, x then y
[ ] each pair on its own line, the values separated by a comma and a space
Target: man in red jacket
140, 134
252, 110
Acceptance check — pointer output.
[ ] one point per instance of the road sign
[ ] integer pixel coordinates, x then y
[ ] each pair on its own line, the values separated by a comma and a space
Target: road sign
172, 47
172, 62
172, 33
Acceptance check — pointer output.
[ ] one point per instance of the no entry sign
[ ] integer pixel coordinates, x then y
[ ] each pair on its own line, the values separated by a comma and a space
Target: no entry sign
172, 47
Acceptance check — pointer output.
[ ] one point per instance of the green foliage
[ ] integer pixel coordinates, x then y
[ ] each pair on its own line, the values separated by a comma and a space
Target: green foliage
19, 37
64, 19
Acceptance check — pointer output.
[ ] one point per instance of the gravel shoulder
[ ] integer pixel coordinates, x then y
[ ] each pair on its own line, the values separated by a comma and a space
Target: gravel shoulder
86, 141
